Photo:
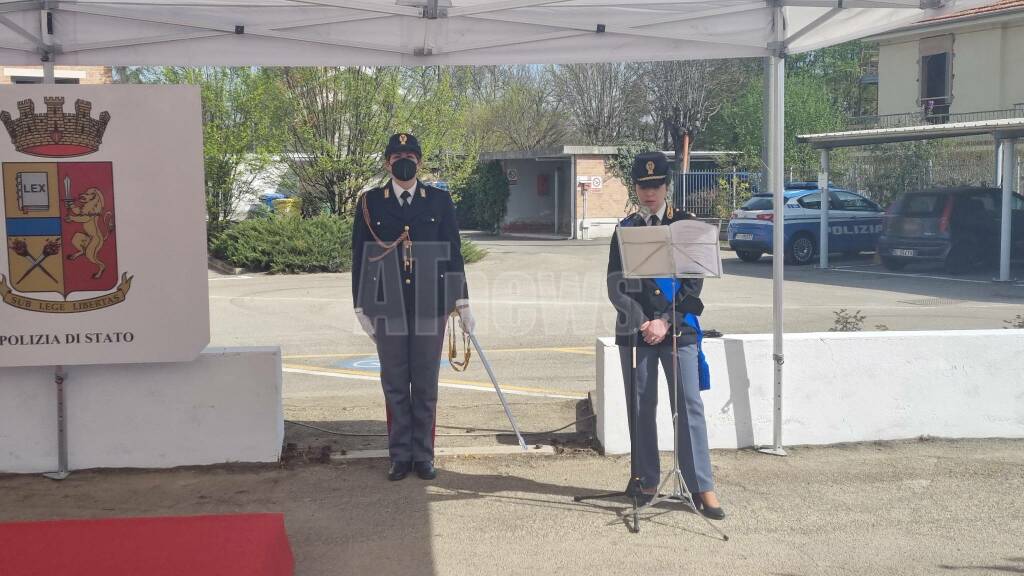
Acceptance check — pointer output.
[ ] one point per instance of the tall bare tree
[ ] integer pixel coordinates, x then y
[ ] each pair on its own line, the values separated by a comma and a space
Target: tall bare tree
684, 95
605, 101
515, 107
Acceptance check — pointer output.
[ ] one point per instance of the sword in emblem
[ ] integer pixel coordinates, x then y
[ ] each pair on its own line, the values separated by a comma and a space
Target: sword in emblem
501, 395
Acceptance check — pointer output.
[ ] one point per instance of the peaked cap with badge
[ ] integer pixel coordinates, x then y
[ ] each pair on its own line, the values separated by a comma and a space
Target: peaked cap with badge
650, 169
403, 142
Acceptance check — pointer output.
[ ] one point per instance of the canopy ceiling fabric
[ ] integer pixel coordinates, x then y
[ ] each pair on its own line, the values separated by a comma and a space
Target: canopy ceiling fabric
473, 32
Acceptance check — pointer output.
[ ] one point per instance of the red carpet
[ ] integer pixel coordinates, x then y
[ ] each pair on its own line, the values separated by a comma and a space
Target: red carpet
243, 544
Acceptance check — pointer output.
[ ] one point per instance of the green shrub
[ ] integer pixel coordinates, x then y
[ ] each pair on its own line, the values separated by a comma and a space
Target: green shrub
484, 200
847, 321
215, 229
723, 204
471, 252
288, 245
259, 211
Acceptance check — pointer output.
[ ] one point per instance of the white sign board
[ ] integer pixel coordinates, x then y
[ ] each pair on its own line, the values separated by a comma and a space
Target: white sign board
103, 219
596, 182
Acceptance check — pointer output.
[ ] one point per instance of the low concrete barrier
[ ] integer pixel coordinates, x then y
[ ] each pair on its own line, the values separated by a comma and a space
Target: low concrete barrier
223, 407
841, 387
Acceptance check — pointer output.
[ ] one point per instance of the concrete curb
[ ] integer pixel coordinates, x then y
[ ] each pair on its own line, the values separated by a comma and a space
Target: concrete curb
534, 450
223, 267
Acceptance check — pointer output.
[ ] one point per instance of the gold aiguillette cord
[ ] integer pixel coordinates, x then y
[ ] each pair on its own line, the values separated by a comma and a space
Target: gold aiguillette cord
453, 346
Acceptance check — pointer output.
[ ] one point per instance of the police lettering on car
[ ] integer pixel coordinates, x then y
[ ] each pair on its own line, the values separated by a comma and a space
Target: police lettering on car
855, 224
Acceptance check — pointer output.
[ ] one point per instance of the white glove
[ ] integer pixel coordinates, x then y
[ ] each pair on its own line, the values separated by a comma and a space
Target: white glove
465, 316
365, 322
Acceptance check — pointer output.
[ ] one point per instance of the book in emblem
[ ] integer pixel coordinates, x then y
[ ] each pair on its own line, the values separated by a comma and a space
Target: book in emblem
33, 195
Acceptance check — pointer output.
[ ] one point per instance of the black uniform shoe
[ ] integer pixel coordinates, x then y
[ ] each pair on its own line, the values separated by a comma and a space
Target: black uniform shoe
399, 470
425, 470
708, 511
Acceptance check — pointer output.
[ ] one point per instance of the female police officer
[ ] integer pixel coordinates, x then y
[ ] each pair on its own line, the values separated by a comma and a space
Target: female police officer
407, 276
645, 322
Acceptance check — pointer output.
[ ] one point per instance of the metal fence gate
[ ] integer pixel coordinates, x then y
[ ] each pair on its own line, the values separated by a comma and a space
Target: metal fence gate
713, 194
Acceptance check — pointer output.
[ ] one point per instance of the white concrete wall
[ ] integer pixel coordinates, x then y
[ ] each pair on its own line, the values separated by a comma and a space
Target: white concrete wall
1013, 65
897, 78
524, 204
977, 72
223, 407
843, 387
596, 228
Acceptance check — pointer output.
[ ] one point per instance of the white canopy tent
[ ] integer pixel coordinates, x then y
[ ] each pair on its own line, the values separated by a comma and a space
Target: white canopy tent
471, 32
428, 32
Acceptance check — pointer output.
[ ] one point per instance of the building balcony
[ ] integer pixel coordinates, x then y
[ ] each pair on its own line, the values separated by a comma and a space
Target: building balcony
936, 113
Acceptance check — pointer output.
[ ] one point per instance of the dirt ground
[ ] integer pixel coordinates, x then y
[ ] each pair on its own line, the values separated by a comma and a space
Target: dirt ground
916, 508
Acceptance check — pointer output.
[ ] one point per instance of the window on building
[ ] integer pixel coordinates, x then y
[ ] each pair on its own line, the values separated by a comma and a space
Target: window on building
936, 77
935, 73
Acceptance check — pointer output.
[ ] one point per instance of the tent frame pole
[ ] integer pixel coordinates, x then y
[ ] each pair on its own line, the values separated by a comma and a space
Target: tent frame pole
776, 84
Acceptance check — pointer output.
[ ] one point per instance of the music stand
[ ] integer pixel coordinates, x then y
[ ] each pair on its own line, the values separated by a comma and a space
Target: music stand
683, 249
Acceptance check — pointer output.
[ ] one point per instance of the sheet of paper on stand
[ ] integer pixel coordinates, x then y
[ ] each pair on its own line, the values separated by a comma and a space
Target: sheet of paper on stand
645, 251
696, 250
689, 247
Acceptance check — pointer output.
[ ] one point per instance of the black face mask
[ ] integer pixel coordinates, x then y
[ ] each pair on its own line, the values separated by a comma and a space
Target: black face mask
404, 169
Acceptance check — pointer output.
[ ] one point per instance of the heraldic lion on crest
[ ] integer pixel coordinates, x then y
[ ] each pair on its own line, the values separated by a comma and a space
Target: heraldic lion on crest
88, 210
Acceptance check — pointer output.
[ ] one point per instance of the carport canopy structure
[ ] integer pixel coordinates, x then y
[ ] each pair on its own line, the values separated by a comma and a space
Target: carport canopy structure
451, 32
1005, 133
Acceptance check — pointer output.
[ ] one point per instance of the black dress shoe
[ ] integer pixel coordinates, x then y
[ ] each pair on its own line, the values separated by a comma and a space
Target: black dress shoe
399, 470
425, 470
708, 511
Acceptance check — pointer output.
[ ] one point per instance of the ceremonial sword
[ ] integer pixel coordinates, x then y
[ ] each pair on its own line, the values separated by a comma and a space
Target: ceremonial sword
501, 395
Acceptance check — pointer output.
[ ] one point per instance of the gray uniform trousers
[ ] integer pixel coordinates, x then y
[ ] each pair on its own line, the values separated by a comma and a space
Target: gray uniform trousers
409, 350
694, 459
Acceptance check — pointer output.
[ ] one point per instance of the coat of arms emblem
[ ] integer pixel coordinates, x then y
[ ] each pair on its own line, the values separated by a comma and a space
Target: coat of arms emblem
59, 217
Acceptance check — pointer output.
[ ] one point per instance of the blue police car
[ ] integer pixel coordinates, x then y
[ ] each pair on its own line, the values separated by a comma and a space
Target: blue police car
855, 223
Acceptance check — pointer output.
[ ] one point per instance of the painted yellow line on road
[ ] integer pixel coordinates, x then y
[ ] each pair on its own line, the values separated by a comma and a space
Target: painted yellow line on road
466, 383
584, 350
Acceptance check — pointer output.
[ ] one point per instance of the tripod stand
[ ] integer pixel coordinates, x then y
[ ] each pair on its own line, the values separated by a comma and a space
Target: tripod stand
634, 489
681, 492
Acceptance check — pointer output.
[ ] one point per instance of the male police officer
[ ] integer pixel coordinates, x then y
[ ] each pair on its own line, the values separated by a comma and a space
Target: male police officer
407, 276
645, 321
